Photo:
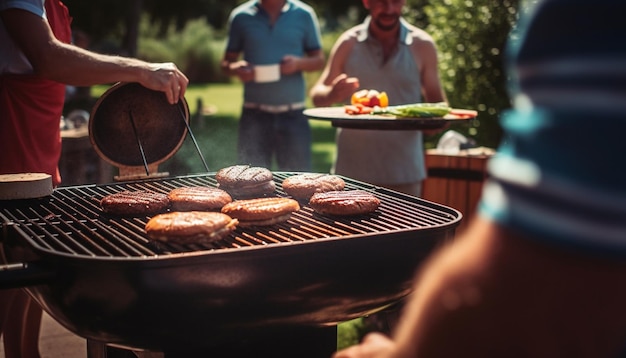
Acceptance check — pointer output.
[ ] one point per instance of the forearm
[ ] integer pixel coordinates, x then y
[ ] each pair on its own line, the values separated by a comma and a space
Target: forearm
440, 308
339, 90
75, 66
72, 65
493, 292
321, 95
230, 67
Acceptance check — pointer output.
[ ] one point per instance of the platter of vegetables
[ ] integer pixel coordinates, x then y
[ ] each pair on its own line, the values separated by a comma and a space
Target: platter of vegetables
369, 109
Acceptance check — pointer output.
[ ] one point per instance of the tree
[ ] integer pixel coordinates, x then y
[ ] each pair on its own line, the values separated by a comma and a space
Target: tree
471, 37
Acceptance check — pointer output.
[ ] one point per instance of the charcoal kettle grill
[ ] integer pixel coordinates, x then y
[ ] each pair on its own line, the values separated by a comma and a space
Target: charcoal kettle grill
103, 279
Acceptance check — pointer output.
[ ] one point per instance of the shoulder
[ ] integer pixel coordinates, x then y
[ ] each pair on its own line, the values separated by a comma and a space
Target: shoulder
34, 6
301, 7
246, 9
417, 36
421, 44
351, 36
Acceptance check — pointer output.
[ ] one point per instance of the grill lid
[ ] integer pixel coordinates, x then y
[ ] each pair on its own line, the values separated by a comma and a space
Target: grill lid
130, 122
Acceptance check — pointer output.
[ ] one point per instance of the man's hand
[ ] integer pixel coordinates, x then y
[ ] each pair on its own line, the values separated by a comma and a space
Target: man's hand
289, 64
241, 69
343, 87
167, 78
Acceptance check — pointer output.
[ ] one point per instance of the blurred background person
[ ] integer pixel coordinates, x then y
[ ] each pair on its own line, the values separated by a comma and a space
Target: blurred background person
36, 64
282, 36
388, 54
540, 272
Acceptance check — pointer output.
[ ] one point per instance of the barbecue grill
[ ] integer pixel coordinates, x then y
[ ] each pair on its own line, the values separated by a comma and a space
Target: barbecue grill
102, 278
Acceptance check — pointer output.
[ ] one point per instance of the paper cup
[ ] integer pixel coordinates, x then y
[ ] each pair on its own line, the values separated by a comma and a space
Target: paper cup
267, 73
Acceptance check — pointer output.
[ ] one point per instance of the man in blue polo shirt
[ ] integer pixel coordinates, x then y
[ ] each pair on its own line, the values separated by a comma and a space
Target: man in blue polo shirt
279, 40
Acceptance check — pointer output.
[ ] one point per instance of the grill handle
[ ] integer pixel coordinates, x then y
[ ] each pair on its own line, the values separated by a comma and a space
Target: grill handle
18, 275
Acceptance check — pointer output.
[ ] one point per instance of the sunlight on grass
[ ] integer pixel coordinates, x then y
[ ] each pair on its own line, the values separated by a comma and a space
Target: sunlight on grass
225, 98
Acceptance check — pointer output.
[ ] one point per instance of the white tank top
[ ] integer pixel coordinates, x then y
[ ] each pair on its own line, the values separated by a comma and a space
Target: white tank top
382, 156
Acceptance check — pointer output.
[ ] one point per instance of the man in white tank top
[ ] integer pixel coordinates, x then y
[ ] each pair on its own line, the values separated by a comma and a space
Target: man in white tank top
387, 54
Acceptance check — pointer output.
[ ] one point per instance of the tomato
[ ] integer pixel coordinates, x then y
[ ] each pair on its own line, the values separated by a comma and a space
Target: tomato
374, 101
370, 98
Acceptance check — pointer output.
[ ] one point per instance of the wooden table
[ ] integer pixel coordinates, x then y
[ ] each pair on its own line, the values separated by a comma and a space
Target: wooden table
456, 180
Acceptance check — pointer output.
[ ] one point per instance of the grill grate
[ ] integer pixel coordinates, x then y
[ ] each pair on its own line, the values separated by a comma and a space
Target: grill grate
71, 222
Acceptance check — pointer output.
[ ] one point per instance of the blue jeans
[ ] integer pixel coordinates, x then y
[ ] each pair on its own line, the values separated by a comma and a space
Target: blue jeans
287, 136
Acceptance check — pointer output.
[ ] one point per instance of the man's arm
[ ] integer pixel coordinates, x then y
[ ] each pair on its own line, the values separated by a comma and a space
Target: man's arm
72, 65
425, 52
496, 293
334, 86
424, 49
233, 66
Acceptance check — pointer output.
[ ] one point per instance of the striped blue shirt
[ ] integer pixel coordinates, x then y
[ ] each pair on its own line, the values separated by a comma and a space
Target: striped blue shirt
560, 173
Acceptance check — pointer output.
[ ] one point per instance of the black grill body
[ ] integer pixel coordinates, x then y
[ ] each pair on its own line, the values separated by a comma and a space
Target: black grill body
103, 279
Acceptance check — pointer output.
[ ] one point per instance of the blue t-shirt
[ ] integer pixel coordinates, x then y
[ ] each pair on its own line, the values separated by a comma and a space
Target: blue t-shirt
12, 59
559, 174
295, 32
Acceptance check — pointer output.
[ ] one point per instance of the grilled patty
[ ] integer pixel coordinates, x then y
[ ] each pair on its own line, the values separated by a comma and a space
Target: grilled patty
190, 227
350, 202
244, 181
141, 202
303, 186
261, 211
198, 198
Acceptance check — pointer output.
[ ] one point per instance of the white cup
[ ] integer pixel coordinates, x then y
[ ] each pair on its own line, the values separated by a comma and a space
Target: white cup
267, 73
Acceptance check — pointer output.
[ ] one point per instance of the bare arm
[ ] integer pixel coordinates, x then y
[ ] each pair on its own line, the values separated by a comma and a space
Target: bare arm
233, 66
72, 65
334, 86
425, 50
493, 292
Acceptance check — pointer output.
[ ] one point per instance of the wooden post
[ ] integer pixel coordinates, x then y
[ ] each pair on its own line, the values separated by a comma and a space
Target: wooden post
457, 180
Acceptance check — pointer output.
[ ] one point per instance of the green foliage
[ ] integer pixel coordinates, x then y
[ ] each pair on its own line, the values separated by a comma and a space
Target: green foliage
195, 49
350, 333
471, 36
215, 109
